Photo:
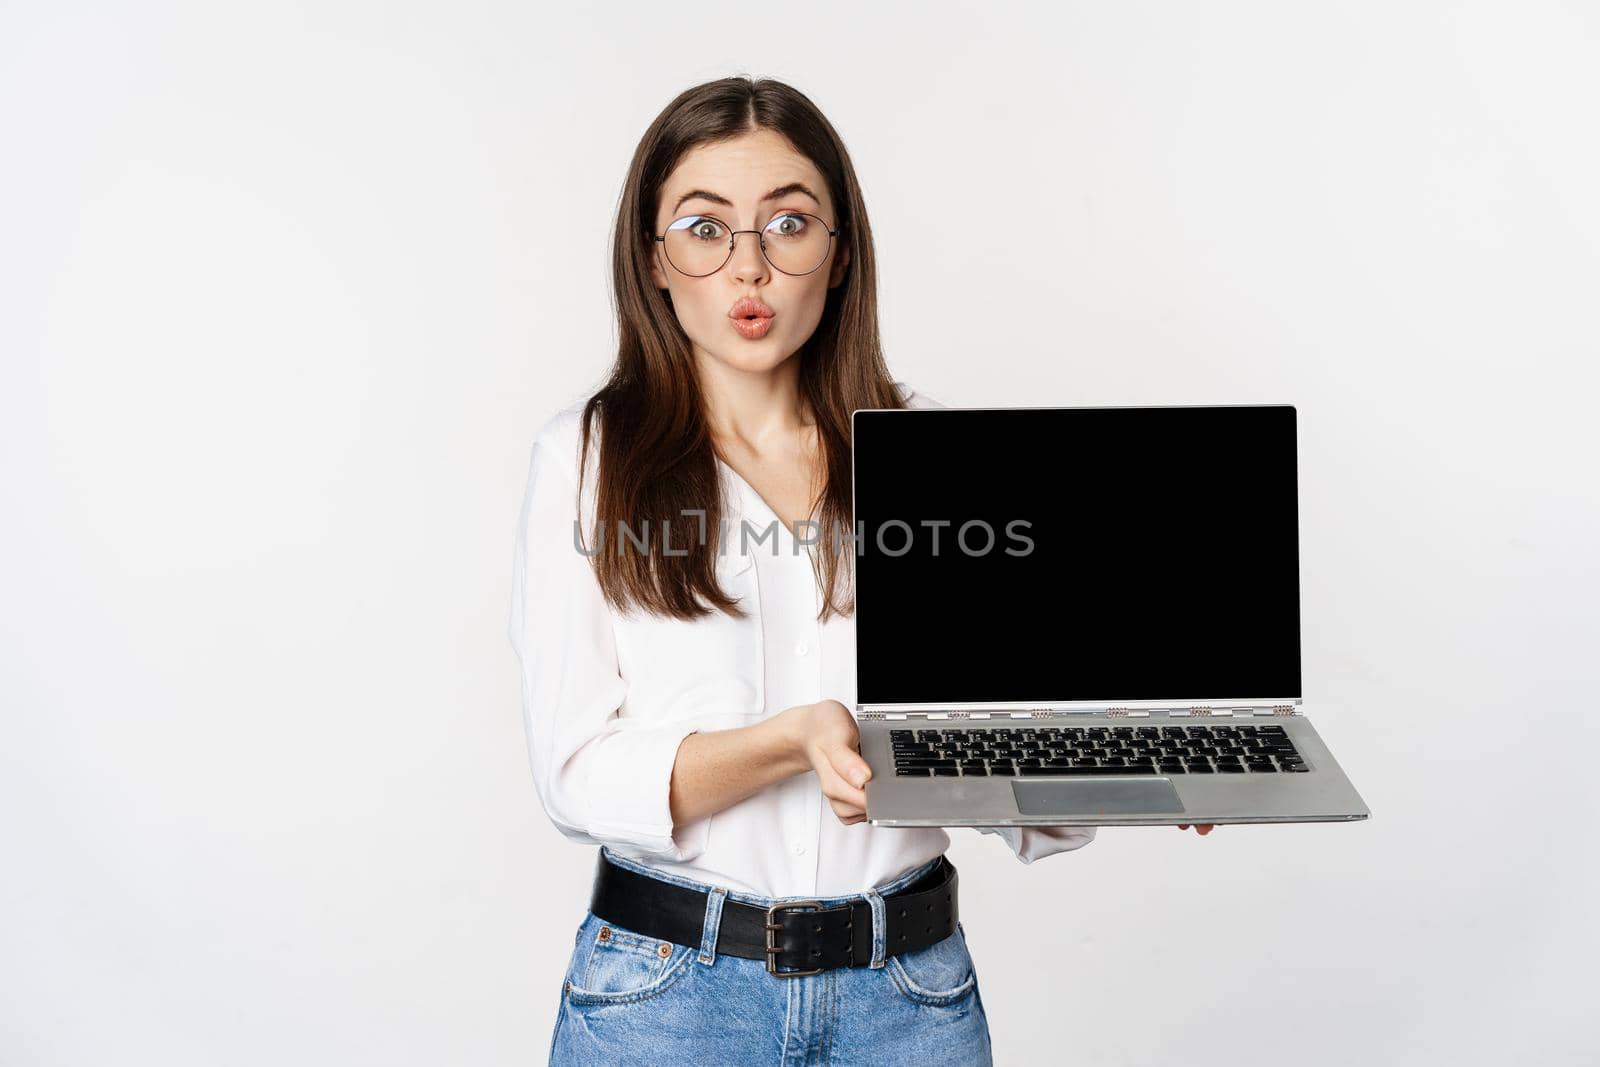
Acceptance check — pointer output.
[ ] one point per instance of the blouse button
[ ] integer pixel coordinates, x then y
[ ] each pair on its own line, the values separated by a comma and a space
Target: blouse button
799, 850
801, 649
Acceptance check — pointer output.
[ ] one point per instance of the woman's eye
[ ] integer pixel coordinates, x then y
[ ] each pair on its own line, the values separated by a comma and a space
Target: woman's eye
706, 229
787, 225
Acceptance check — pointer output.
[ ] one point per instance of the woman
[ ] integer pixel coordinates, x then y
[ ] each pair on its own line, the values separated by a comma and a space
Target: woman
683, 619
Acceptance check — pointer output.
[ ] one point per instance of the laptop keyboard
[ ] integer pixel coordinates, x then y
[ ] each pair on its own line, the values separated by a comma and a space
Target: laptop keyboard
1074, 751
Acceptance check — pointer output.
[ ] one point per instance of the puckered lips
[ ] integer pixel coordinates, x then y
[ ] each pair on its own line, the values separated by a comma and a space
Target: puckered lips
748, 307
750, 318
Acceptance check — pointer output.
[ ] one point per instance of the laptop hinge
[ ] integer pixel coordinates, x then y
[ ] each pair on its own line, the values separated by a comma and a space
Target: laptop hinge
1193, 711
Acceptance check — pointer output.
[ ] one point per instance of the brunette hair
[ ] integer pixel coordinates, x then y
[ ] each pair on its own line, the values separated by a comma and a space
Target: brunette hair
656, 457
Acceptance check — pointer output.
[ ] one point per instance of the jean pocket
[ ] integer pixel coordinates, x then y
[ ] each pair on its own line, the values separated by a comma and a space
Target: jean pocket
615, 965
939, 975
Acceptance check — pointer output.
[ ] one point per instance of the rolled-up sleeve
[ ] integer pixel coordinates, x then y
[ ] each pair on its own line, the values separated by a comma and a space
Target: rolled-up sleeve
603, 777
1036, 842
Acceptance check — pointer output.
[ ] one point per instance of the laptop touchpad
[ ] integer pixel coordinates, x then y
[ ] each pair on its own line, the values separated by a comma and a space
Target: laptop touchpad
1088, 796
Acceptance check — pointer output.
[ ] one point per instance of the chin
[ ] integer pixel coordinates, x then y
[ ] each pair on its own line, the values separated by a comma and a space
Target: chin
751, 358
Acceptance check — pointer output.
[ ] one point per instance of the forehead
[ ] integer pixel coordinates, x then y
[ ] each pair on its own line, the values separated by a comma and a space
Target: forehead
744, 170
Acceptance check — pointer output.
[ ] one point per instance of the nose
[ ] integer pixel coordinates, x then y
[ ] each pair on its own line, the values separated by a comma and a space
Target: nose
748, 261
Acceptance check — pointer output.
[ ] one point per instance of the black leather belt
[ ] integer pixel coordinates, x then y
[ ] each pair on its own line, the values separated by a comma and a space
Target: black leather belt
806, 942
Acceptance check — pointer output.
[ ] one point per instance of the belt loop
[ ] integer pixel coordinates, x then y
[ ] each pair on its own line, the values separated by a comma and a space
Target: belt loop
880, 933
713, 923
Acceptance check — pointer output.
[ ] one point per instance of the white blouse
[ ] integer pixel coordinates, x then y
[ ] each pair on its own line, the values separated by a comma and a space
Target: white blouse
606, 699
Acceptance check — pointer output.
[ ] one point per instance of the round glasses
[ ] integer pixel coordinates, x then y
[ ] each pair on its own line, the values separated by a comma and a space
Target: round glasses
794, 242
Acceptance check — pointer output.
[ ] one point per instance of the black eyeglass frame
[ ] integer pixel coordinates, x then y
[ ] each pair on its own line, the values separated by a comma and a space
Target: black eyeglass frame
761, 241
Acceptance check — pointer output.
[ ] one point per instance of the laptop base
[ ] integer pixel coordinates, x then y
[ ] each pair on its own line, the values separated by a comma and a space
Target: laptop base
1321, 793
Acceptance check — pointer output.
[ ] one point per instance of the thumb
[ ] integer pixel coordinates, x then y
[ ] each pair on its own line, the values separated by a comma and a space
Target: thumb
850, 766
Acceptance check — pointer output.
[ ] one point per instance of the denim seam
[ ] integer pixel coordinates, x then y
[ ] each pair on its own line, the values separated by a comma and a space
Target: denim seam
788, 1016
831, 989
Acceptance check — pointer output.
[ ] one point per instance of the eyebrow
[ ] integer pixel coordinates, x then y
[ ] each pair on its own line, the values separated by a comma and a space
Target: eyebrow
779, 192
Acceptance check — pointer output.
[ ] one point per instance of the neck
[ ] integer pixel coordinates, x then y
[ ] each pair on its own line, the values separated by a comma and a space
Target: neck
755, 408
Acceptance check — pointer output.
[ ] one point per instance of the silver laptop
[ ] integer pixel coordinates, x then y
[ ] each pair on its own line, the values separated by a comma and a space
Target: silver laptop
1084, 616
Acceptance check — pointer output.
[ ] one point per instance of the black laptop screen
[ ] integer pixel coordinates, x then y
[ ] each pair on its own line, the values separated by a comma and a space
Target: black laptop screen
1076, 554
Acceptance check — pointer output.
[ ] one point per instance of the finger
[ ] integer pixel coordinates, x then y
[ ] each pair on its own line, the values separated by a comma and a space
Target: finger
837, 789
849, 766
846, 768
1183, 826
847, 813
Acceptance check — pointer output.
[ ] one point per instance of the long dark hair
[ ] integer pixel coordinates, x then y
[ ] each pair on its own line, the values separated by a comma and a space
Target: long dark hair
656, 456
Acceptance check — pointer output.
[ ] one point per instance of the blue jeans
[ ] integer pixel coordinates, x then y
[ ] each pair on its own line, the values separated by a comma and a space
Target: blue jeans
632, 999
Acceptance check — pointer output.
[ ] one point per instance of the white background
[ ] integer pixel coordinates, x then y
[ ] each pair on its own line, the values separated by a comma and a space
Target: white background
285, 293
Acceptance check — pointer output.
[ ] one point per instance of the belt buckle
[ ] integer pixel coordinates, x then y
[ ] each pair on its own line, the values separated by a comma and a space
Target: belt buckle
773, 927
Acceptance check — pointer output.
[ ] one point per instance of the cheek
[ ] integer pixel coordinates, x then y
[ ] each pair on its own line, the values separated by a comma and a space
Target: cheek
697, 308
810, 300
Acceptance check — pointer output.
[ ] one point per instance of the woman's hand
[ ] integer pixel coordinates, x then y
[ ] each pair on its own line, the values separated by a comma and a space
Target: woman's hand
826, 735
